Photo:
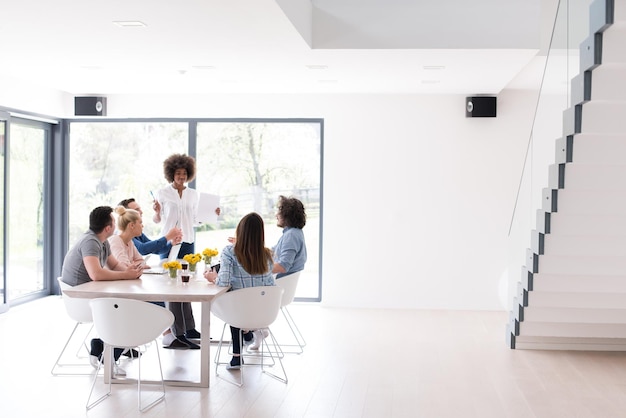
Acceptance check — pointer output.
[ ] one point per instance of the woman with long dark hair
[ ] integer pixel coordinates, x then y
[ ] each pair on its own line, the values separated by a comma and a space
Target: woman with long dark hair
247, 263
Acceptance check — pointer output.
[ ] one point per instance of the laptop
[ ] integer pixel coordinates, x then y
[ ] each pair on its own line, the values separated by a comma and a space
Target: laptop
171, 257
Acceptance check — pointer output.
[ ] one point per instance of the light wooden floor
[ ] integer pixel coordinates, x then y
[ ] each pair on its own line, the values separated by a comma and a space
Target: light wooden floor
358, 363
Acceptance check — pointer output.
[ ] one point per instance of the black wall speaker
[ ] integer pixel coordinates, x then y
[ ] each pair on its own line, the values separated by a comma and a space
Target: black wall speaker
480, 107
90, 106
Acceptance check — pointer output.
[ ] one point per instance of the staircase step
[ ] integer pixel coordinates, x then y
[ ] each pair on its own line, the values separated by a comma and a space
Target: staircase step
591, 176
598, 148
570, 264
613, 225
574, 315
571, 120
609, 82
603, 117
578, 283
580, 88
619, 13
559, 329
543, 221
600, 15
556, 176
584, 245
581, 300
613, 51
524, 342
564, 149
549, 199
586, 202
590, 51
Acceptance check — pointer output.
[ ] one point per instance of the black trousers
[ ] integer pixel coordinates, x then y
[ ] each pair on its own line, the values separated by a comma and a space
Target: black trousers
97, 348
234, 333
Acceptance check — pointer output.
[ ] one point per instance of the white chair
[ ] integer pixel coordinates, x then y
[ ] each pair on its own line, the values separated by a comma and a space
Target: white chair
290, 284
79, 310
250, 308
129, 323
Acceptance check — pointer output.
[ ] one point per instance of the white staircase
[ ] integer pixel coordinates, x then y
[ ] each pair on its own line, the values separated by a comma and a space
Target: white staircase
572, 293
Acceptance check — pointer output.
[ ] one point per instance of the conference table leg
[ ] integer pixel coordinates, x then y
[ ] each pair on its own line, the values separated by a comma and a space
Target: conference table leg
205, 345
107, 365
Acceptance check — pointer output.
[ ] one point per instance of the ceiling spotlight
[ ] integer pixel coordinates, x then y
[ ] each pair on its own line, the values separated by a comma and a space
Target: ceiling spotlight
129, 24
317, 67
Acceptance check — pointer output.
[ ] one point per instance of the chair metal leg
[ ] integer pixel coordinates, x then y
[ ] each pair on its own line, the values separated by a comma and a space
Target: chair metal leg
160, 398
279, 358
274, 355
57, 363
219, 350
93, 385
301, 343
139, 391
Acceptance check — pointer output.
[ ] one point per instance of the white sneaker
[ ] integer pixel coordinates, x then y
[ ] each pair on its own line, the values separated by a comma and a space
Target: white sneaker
248, 342
94, 361
259, 336
118, 371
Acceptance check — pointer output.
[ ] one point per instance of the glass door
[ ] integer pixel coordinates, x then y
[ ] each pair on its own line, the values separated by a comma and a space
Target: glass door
24, 250
4, 122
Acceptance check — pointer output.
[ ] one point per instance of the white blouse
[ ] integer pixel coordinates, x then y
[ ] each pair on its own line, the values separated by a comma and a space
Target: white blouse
178, 211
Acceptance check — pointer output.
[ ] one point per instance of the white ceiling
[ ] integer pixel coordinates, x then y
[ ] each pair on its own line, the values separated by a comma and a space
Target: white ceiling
269, 46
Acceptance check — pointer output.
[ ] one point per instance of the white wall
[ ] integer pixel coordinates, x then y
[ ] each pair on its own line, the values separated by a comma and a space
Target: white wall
417, 197
21, 95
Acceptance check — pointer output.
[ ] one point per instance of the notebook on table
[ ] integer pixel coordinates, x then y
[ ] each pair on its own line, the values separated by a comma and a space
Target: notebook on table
171, 257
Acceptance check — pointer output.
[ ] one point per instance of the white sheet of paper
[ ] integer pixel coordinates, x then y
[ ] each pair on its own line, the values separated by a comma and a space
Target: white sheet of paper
173, 252
206, 208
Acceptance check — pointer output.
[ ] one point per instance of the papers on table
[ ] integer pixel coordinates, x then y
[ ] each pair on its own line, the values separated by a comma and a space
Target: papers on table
207, 205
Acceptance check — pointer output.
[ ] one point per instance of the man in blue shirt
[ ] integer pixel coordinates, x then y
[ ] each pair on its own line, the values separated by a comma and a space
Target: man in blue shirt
290, 251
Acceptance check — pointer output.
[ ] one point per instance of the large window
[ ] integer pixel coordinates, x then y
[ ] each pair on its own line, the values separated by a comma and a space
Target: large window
113, 161
25, 235
4, 117
250, 164
247, 163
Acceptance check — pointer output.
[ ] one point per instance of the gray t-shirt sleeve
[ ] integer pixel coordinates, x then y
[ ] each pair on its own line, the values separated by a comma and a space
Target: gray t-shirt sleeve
74, 271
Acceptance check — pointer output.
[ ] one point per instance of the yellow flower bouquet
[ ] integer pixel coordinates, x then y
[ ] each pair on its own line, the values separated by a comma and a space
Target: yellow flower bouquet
192, 259
209, 253
173, 267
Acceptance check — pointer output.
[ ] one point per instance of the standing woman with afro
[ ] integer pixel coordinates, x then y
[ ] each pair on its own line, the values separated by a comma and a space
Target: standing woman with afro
176, 205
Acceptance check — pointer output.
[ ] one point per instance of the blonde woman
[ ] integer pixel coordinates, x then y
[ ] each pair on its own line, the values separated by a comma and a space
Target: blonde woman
129, 225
